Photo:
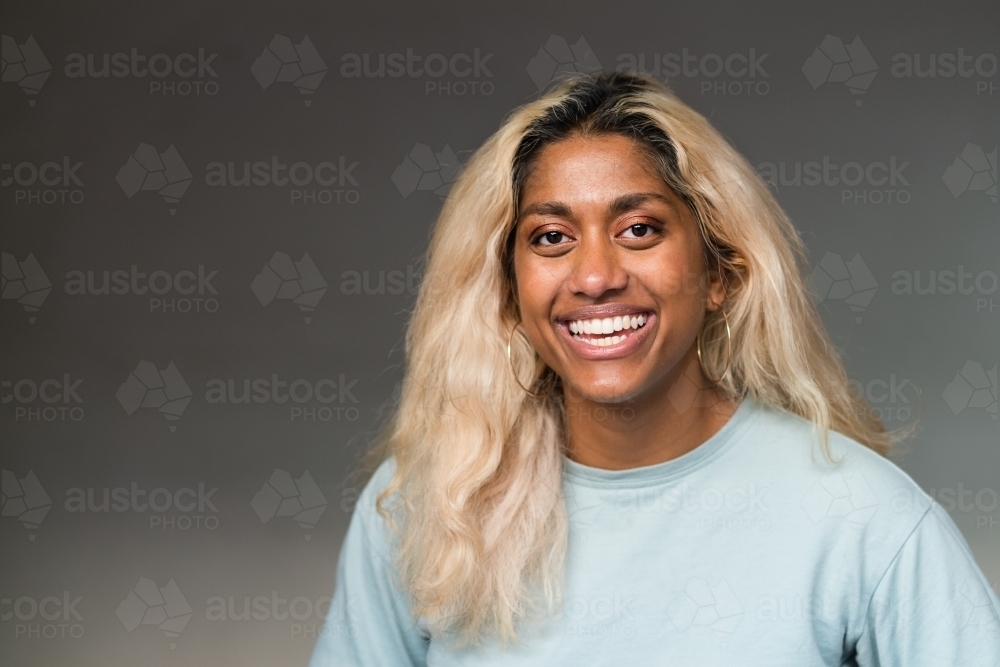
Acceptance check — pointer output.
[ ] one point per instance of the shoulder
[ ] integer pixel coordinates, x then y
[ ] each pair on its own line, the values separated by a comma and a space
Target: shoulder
372, 524
378, 482
855, 485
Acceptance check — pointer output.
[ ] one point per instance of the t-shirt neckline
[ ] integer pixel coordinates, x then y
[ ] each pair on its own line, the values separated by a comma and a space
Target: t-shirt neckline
658, 473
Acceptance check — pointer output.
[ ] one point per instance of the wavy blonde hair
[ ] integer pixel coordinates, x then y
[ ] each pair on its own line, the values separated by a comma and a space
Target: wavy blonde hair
476, 499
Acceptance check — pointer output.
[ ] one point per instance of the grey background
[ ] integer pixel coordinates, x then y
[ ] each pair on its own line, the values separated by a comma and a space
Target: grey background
918, 343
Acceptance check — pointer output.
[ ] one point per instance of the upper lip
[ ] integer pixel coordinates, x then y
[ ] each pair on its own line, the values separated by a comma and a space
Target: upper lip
602, 311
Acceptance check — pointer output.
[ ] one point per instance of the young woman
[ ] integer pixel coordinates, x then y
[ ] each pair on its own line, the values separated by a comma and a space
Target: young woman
624, 437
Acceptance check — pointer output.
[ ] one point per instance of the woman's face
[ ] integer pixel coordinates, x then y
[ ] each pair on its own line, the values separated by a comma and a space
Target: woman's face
611, 277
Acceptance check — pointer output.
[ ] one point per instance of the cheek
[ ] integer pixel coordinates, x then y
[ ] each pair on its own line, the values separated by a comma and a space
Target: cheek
673, 278
538, 287
534, 290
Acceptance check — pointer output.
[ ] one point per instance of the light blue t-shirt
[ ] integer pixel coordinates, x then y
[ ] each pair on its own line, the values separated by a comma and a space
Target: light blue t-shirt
749, 550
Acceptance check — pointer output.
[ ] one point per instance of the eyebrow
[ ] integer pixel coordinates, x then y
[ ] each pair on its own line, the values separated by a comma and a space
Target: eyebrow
634, 201
620, 205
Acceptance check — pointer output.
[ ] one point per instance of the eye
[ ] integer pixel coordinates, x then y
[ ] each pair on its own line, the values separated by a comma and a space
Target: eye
638, 231
551, 238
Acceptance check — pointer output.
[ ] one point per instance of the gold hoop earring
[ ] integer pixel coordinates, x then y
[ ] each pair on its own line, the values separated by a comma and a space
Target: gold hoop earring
510, 358
729, 350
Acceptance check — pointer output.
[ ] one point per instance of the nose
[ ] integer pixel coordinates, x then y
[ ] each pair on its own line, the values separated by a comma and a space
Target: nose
597, 267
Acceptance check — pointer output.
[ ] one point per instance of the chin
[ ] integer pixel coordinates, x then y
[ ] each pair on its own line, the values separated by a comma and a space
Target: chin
610, 390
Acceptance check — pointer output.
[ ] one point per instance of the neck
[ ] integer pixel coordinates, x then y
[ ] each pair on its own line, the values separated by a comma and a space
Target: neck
661, 424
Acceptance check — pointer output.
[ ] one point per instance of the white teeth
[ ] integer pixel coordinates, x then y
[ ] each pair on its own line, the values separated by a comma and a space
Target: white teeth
607, 325
601, 342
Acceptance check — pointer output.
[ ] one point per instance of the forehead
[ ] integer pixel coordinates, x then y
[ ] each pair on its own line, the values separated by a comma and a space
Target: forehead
597, 166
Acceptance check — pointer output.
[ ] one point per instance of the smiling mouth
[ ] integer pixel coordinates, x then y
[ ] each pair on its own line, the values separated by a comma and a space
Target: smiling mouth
606, 331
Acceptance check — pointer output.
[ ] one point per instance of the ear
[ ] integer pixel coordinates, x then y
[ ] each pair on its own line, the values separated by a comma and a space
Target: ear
716, 287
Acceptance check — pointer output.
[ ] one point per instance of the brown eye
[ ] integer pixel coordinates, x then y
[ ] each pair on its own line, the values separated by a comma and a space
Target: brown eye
550, 238
638, 231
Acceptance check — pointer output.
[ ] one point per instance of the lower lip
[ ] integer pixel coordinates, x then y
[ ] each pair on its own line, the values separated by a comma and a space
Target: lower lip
616, 351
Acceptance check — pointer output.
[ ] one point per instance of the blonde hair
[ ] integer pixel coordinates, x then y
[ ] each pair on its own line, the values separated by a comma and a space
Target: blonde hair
476, 499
